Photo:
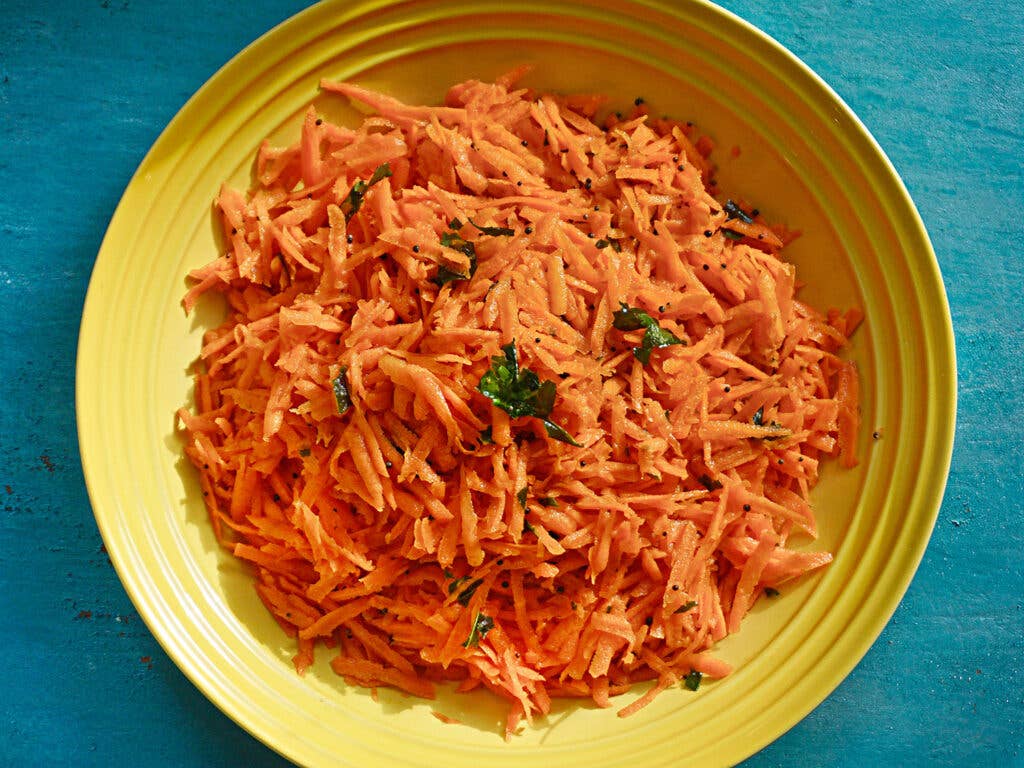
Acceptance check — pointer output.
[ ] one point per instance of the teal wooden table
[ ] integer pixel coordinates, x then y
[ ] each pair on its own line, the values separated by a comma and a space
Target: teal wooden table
85, 88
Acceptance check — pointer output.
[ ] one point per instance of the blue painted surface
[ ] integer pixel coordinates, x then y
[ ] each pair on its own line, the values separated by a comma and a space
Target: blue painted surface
85, 88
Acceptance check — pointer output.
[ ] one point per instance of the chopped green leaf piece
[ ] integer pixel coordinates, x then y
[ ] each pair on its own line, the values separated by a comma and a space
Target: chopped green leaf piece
486, 436
616, 245
305, 452
547, 501
467, 593
527, 528
558, 433
520, 392
655, 337
482, 624
351, 205
707, 482
510, 389
733, 211
602, 243
445, 275
626, 319
686, 607
758, 419
732, 234
545, 401
455, 224
456, 243
493, 231
457, 583
692, 680
773, 424
382, 172
521, 496
341, 396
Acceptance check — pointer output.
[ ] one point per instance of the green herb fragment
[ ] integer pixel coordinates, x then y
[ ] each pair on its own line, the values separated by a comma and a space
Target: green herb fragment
771, 592
527, 528
556, 432
547, 501
732, 234
482, 624
284, 266
341, 396
456, 583
467, 593
707, 482
486, 436
521, 497
733, 211
686, 607
520, 392
616, 245
446, 275
493, 231
601, 244
456, 243
758, 419
692, 680
448, 574
305, 452
455, 224
511, 389
350, 205
655, 337
545, 401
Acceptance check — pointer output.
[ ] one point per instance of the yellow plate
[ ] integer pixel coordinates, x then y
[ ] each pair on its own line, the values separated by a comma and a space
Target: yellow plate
805, 160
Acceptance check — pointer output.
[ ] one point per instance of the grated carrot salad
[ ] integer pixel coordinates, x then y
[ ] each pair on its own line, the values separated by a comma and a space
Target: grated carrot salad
507, 397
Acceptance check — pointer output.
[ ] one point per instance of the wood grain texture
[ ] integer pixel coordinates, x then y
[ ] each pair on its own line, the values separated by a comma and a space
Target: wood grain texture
85, 88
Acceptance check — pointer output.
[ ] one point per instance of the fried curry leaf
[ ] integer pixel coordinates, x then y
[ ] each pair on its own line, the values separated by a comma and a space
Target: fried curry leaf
467, 593
556, 432
350, 205
456, 583
655, 337
733, 211
520, 392
482, 624
692, 680
708, 482
458, 243
341, 396
493, 231
512, 390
